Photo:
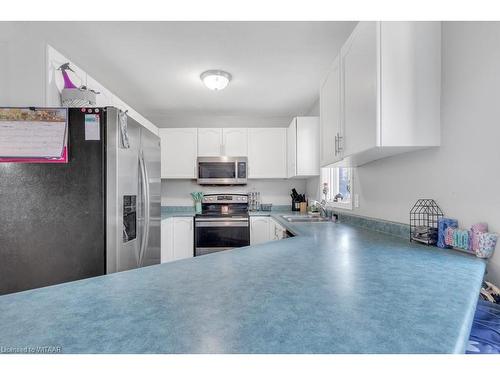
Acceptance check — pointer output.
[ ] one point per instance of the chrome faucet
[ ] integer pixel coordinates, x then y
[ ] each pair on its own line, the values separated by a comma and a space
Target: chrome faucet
322, 207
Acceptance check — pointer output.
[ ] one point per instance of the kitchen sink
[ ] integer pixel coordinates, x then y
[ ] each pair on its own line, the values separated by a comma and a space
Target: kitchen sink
304, 218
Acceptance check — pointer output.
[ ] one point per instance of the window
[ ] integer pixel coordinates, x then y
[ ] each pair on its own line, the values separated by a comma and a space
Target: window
336, 186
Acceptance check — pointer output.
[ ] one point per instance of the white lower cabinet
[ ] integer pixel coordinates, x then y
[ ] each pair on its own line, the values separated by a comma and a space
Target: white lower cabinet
167, 243
259, 229
264, 229
177, 237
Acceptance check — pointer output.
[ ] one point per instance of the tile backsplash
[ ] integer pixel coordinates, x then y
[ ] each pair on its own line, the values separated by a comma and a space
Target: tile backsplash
275, 191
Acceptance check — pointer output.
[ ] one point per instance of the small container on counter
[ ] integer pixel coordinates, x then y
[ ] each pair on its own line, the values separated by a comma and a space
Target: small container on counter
266, 206
487, 244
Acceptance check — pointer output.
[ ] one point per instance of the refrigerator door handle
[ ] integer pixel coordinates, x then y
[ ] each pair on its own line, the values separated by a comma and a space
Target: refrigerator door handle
146, 202
143, 203
147, 217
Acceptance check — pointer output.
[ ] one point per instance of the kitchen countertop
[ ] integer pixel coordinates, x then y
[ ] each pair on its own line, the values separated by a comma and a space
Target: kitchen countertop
187, 211
334, 288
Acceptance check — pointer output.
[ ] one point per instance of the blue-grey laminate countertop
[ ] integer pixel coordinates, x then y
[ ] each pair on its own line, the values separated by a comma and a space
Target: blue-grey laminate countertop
187, 211
333, 288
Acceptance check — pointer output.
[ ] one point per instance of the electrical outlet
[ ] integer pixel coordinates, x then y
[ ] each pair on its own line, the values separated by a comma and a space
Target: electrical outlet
356, 200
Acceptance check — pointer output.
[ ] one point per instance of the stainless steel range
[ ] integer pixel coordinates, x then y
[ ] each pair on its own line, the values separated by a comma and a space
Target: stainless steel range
223, 224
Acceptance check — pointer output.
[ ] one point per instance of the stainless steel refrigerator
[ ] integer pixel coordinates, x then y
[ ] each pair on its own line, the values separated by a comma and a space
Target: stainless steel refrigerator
97, 214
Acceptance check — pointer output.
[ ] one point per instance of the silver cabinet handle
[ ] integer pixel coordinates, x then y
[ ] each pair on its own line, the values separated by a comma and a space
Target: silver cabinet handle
336, 144
339, 140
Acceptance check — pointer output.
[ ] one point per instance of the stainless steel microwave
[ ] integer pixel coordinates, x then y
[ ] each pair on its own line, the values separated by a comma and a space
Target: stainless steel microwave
222, 170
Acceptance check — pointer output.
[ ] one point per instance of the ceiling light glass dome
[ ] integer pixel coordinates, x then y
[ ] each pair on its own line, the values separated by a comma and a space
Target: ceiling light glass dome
215, 79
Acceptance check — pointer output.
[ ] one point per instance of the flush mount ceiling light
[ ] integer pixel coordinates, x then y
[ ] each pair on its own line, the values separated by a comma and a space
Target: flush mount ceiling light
215, 79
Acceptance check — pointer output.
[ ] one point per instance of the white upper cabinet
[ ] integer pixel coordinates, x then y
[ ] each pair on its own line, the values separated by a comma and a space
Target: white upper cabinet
178, 152
222, 142
303, 147
235, 141
291, 148
330, 116
359, 83
410, 84
267, 153
209, 141
389, 93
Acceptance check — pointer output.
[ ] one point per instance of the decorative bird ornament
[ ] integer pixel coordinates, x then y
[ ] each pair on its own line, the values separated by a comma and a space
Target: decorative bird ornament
67, 81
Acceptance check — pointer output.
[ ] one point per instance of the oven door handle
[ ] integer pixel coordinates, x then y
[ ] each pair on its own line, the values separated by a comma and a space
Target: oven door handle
219, 219
205, 224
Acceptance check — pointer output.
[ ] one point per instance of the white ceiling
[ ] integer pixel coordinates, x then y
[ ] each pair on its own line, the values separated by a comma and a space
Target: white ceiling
155, 66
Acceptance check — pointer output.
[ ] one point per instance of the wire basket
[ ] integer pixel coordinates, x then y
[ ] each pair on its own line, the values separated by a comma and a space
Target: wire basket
424, 218
78, 98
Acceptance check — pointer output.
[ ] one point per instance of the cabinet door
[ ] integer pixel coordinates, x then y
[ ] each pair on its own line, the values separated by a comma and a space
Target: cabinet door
291, 146
359, 86
167, 240
209, 141
183, 237
307, 150
330, 116
178, 152
259, 230
235, 142
267, 153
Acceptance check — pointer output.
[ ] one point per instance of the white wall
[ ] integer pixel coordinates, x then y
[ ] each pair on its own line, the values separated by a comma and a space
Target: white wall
55, 83
28, 75
22, 66
277, 192
463, 174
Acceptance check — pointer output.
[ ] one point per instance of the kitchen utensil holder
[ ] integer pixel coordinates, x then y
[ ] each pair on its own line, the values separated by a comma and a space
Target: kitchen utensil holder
425, 213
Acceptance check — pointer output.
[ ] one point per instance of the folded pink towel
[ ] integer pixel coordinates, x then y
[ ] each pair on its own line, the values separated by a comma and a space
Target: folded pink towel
479, 227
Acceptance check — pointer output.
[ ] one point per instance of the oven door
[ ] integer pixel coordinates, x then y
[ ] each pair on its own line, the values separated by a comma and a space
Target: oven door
218, 234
